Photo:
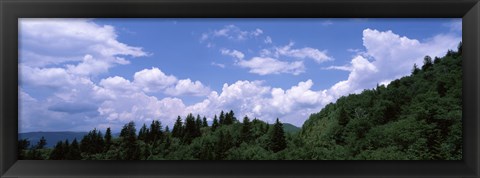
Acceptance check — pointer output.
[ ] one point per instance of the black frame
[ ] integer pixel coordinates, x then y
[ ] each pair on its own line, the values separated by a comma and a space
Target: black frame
11, 10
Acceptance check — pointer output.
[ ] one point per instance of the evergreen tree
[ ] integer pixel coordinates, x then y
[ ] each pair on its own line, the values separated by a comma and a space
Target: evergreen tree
155, 134
57, 152
177, 131
277, 138
215, 123
198, 125
415, 70
142, 134
204, 122
167, 129
73, 151
221, 118
108, 139
41, 143
190, 129
22, 145
246, 133
129, 146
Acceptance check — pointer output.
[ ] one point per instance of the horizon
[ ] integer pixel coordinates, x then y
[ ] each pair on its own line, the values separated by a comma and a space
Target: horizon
80, 74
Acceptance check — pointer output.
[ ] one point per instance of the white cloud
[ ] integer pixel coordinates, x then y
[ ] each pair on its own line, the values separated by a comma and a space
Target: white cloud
345, 68
231, 32
307, 52
187, 87
392, 57
254, 99
455, 25
218, 65
140, 107
265, 66
268, 40
153, 80
70, 40
234, 53
89, 66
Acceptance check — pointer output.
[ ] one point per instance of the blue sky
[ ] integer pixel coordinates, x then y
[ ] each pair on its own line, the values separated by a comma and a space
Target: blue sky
80, 74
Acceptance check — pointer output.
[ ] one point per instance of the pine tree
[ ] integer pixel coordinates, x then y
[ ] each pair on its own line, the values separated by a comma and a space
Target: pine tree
246, 133
41, 143
215, 123
221, 118
108, 139
155, 133
277, 138
177, 130
190, 129
198, 125
142, 134
57, 152
129, 143
73, 151
204, 122
21, 146
415, 70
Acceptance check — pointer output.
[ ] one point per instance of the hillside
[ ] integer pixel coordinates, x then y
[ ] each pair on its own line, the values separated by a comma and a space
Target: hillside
415, 117
289, 128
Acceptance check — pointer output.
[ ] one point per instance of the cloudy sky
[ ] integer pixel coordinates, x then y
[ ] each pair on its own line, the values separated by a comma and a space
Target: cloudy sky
80, 74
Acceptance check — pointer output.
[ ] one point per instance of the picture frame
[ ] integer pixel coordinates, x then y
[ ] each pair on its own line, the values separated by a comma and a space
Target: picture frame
11, 10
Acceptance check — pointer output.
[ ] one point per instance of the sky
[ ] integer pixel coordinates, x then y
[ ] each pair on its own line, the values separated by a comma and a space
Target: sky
80, 74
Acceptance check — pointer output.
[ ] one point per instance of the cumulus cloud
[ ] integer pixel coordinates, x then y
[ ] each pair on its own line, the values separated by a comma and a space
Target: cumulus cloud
153, 80
255, 99
392, 56
187, 87
265, 66
66, 40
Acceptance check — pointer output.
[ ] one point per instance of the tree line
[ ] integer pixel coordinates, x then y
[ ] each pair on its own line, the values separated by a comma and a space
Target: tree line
191, 138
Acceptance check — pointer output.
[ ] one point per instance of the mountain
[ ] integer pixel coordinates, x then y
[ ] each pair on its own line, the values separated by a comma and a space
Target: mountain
51, 137
289, 128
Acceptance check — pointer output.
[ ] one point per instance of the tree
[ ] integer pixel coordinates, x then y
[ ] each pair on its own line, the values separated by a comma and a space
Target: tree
246, 132
58, 152
129, 146
142, 134
191, 130
21, 146
108, 139
215, 123
155, 133
204, 122
415, 70
221, 118
198, 125
73, 151
277, 138
427, 63
178, 128
41, 143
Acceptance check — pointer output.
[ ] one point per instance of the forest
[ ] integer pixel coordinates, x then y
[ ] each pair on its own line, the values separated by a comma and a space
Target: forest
416, 117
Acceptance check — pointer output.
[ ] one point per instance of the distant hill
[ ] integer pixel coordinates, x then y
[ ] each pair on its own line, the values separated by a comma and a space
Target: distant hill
289, 128
51, 137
